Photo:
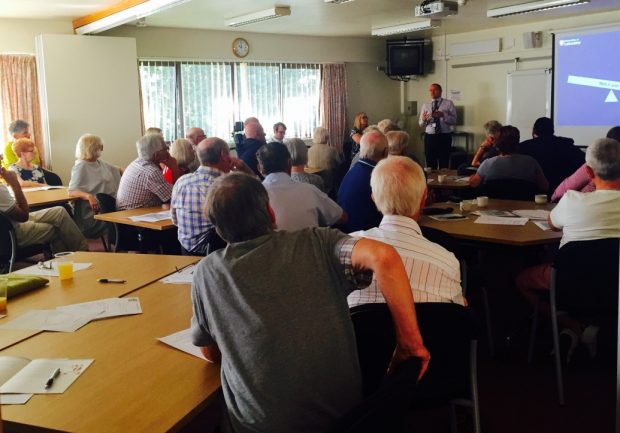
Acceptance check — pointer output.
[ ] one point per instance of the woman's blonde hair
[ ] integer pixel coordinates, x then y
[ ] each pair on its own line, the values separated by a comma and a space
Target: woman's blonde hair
89, 147
183, 151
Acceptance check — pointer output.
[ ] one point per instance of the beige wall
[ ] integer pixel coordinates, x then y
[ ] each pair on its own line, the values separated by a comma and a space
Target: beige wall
483, 88
17, 36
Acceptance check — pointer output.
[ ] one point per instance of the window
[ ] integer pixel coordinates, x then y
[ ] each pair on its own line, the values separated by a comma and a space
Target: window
213, 95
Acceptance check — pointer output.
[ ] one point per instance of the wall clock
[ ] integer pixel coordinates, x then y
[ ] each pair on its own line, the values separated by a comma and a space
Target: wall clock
240, 47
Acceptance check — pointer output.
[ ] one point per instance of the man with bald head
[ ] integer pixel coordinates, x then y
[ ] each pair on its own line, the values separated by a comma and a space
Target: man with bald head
354, 195
254, 139
195, 135
190, 192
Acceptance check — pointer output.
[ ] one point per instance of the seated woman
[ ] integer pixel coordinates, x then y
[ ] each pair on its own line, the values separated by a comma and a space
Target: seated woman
183, 151
28, 173
487, 148
90, 176
398, 141
324, 157
352, 146
299, 157
509, 164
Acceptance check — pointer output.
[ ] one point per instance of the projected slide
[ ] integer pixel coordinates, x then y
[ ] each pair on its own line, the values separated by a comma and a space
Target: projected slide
587, 79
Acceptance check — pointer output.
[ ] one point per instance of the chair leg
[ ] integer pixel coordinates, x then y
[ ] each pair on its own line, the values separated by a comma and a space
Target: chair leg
473, 377
105, 244
453, 424
487, 317
530, 350
556, 340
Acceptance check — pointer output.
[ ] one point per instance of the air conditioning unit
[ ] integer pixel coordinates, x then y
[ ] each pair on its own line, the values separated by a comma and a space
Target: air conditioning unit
436, 9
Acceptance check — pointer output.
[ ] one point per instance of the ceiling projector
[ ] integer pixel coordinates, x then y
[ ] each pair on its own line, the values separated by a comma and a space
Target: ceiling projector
436, 9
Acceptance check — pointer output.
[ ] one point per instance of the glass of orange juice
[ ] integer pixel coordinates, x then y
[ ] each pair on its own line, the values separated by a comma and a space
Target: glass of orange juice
64, 264
4, 287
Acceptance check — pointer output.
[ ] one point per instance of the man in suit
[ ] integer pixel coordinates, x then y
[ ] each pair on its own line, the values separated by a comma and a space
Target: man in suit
558, 156
437, 117
254, 139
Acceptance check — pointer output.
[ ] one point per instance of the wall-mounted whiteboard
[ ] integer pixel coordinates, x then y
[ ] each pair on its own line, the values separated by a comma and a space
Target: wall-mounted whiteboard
88, 84
528, 98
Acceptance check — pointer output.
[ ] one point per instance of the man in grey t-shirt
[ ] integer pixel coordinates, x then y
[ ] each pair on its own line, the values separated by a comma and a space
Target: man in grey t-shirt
272, 308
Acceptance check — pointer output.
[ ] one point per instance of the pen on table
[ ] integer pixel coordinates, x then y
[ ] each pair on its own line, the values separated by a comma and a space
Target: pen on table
111, 281
50, 381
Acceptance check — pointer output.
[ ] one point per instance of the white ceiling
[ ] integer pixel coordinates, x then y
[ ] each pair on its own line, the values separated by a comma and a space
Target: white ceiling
308, 17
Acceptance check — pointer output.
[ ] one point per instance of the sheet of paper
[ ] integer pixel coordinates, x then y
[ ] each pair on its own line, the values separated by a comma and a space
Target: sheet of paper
152, 217
41, 188
449, 217
494, 213
504, 221
15, 398
44, 272
33, 377
182, 340
103, 308
48, 320
533, 214
542, 225
183, 276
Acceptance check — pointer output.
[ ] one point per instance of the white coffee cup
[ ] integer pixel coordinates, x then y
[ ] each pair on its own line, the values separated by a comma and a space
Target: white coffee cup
540, 198
465, 206
441, 178
482, 201
427, 170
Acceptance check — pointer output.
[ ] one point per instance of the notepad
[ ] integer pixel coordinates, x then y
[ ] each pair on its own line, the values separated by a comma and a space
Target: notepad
24, 376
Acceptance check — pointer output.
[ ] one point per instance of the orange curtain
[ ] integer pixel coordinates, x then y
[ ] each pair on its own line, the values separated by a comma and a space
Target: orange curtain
20, 95
333, 107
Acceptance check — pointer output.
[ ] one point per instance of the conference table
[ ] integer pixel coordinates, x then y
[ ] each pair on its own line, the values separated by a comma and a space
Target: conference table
124, 217
467, 229
38, 198
452, 181
135, 383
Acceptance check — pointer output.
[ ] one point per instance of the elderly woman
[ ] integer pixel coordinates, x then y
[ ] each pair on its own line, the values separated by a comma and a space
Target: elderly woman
387, 125
183, 151
299, 159
321, 155
90, 176
487, 148
509, 164
398, 141
28, 173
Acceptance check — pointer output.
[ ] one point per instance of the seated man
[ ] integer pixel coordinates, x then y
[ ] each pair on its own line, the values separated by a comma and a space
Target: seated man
582, 217
399, 190
254, 139
296, 205
52, 225
195, 136
18, 129
190, 193
142, 183
279, 130
282, 332
354, 193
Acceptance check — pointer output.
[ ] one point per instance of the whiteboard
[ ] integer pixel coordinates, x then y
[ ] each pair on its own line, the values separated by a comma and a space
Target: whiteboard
528, 97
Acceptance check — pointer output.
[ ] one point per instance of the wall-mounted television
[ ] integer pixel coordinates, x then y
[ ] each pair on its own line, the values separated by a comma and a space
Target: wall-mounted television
405, 57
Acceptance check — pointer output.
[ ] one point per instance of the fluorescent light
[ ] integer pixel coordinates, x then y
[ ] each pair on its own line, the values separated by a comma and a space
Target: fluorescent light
255, 17
406, 28
537, 6
125, 16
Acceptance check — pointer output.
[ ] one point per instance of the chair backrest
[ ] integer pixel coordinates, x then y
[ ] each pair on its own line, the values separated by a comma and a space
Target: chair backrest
510, 189
8, 243
107, 204
52, 178
587, 277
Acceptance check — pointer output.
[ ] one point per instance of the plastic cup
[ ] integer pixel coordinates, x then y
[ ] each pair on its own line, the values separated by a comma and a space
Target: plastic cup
64, 264
540, 198
441, 178
4, 287
482, 201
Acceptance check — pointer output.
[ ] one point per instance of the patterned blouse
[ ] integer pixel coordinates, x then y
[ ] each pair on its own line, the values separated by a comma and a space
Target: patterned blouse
34, 175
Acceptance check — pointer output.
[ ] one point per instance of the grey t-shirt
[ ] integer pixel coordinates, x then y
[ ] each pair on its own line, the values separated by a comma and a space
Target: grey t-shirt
515, 166
276, 307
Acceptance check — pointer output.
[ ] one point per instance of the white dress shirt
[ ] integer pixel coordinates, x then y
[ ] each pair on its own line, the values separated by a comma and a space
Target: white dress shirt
446, 106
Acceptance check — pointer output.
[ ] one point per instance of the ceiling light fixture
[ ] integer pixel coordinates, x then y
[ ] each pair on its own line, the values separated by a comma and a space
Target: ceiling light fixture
121, 14
405, 28
537, 6
255, 17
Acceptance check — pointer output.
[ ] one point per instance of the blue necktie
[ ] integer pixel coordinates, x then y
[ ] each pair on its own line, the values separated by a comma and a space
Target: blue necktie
437, 119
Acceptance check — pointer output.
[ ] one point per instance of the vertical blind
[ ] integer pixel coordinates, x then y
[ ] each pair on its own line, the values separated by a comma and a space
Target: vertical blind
213, 95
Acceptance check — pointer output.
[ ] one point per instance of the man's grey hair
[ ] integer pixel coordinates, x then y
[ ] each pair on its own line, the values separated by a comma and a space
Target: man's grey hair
149, 145
320, 136
387, 125
492, 127
398, 185
373, 145
397, 142
211, 152
298, 150
88, 147
18, 126
237, 206
603, 157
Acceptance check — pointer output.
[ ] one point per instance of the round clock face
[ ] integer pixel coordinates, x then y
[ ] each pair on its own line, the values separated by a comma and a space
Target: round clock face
240, 47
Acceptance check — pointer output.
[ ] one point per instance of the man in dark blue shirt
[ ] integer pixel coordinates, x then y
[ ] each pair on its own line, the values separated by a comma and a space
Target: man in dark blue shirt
254, 139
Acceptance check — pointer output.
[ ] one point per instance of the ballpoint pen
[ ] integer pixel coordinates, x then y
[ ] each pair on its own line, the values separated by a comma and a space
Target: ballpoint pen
111, 281
50, 381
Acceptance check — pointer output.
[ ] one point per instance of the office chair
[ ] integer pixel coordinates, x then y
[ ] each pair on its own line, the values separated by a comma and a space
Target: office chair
510, 189
52, 178
10, 251
449, 333
584, 284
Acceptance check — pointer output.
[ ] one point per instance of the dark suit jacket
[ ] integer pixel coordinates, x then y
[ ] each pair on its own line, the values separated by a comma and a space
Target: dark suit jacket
246, 151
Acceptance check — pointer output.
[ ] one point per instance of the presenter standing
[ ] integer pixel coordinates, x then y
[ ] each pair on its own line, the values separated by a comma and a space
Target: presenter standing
437, 118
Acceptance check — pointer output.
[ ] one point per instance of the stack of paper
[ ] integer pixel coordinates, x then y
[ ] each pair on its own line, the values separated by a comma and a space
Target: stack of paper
70, 318
152, 217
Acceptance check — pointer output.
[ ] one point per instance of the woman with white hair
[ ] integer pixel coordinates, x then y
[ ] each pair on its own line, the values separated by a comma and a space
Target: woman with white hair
183, 151
90, 176
324, 157
299, 158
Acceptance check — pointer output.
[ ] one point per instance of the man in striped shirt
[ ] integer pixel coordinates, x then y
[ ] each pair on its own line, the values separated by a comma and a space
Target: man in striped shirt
399, 191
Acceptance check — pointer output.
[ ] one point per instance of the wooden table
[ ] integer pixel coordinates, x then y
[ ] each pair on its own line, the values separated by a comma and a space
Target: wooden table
450, 183
529, 234
122, 217
50, 197
138, 270
135, 384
